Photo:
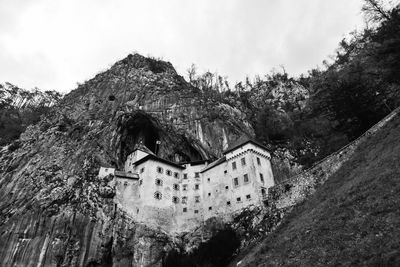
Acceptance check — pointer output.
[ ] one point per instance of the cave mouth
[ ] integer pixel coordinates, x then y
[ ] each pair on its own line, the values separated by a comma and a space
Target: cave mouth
140, 128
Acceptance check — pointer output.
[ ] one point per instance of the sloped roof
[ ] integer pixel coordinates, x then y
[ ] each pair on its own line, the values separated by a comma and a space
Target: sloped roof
126, 175
143, 148
154, 157
215, 163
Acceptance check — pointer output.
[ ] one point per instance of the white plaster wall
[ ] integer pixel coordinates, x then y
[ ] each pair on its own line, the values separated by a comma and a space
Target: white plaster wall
132, 158
103, 172
189, 220
139, 201
128, 195
219, 180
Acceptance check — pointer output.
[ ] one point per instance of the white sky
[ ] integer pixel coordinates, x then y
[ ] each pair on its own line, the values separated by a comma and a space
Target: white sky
53, 44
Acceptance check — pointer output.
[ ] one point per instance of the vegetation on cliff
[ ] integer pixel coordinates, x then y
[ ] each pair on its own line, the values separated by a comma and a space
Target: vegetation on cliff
20, 108
351, 220
317, 113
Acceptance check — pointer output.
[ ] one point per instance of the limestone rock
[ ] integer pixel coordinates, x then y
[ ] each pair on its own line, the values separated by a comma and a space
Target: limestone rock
55, 211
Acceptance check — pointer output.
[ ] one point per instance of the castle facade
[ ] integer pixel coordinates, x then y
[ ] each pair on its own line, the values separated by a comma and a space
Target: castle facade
179, 197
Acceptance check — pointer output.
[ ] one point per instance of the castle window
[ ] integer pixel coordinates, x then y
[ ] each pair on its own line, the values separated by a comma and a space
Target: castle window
184, 200
159, 170
234, 165
238, 199
176, 186
175, 200
225, 172
248, 197
243, 160
226, 187
196, 211
196, 175
261, 178
209, 194
142, 170
197, 199
184, 209
159, 182
140, 182
236, 182
185, 176
246, 178
228, 203
209, 208
258, 161
184, 187
157, 195
176, 175
169, 172
208, 179
126, 184
196, 187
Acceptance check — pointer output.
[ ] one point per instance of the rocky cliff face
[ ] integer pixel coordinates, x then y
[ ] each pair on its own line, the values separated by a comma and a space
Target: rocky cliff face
54, 211
21, 98
20, 108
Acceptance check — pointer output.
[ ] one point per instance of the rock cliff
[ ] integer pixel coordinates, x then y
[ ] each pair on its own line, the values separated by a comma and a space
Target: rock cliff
20, 108
54, 211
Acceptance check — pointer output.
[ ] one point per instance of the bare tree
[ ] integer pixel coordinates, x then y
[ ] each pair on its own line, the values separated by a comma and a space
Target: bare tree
191, 72
375, 10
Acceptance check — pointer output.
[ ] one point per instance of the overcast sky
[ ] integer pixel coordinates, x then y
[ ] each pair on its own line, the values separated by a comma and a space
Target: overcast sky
53, 44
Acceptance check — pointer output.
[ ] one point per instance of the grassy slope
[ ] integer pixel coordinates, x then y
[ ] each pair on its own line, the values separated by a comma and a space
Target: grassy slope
353, 219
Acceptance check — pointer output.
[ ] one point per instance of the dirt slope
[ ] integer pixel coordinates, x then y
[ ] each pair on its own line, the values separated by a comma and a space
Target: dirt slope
352, 220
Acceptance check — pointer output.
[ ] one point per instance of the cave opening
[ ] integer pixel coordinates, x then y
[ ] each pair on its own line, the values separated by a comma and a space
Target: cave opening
140, 128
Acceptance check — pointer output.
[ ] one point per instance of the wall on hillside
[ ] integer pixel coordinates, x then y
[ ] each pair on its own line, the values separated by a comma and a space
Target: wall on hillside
294, 190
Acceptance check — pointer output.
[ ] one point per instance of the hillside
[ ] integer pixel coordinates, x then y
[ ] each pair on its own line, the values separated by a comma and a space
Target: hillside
351, 220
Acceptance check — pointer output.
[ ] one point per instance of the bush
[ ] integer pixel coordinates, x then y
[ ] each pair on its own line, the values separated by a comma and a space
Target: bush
218, 251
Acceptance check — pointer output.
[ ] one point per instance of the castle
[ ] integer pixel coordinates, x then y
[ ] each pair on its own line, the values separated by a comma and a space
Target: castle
178, 197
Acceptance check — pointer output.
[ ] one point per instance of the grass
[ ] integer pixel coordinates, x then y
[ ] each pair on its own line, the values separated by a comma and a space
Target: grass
352, 220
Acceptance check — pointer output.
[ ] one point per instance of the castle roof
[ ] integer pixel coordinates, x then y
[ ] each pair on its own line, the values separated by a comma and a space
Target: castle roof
143, 148
128, 175
215, 163
243, 141
154, 157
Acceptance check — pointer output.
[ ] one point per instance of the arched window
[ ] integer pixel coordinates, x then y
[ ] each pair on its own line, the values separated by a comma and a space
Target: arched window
184, 200
176, 186
176, 175
175, 200
157, 195
159, 182
168, 172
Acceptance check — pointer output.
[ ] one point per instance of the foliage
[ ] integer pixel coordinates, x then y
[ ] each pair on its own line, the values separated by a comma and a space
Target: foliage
316, 114
22, 109
217, 252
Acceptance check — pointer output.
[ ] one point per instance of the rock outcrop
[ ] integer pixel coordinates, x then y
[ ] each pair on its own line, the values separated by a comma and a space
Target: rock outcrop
20, 108
55, 211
